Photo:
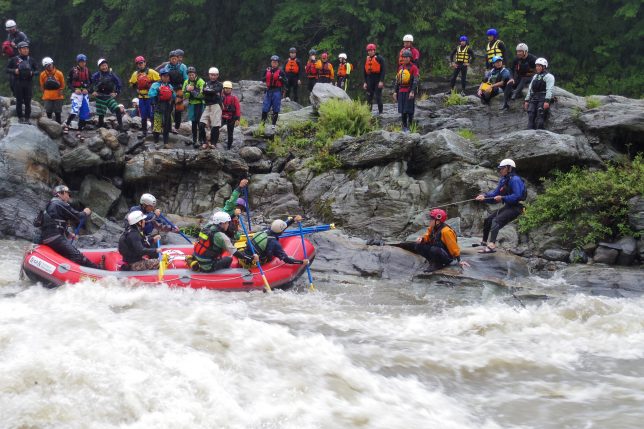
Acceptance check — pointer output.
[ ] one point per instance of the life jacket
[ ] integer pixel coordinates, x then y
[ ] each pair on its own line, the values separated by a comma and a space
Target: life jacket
105, 84
211, 92
292, 66
344, 69
80, 77
436, 237
165, 93
143, 81
324, 69
273, 78
50, 226
371, 65
311, 70
495, 75
538, 85
125, 248
507, 190
51, 83
463, 54
7, 49
228, 112
209, 245
260, 243
493, 49
24, 68
404, 77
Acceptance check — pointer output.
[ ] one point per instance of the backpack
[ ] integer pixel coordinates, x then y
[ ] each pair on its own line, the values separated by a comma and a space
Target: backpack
7, 49
165, 93
51, 83
143, 81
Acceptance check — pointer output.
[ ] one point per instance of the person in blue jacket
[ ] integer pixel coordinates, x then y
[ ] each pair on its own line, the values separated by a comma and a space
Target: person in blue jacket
162, 99
511, 191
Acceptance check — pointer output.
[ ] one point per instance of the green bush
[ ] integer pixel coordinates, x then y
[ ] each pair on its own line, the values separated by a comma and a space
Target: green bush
588, 206
466, 134
340, 117
592, 102
455, 99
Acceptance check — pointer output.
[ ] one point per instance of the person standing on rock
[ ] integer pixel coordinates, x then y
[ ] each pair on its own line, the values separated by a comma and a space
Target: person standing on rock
106, 86
405, 90
325, 69
141, 80
523, 68
311, 70
460, 59
374, 77
231, 112
275, 81
52, 84
14, 36
495, 48
439, 245
293, 72
54, 230
540, 95
510, 191
79, 80
193, 92
212, 115
344, 71
162, 98
21, 70
178, 73
408, 44
137, 250
494, 82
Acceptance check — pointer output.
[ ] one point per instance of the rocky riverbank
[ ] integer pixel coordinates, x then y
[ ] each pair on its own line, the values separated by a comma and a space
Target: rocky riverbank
382, 189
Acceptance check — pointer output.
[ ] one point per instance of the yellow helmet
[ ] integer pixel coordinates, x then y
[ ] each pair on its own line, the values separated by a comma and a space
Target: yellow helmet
228, 84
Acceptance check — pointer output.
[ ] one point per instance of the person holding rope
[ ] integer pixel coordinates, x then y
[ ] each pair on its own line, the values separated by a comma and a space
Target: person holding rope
439, 244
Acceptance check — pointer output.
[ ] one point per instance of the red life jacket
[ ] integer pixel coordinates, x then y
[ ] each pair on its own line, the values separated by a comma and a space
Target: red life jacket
273, 78
371, 65
292, 66
80, 77
143, 81
165, 93
311, 70
230, 108
7, 49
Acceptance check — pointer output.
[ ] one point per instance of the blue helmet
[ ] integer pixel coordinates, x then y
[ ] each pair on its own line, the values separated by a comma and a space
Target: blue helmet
492, 32
275, 58
81, 57
463, 39
496, 58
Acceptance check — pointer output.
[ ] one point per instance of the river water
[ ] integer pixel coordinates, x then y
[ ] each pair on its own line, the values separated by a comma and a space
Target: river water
372, 355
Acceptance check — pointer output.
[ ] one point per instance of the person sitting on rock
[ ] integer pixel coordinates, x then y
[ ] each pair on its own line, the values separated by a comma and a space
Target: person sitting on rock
193, 93
52, 83
148, 206
540, 95
162, 98
275, 80
54, 227
523, 68
374, 77
439, 245
141, 80
461, 57
406, 89
266, 243
137, 251
344, 71
494, 82
311, 70
511, 191
79, 81
212, 243
231, 112
325, 69
21, 70
106, 86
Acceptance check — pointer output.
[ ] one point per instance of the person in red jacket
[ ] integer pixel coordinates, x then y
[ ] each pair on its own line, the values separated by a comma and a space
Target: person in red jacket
408, 42
275, 80
406, 89
325, 69
231, 111
311, 70
374, 77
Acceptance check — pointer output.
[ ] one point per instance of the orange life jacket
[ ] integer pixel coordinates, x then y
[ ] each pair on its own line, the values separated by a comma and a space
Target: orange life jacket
292, 66
371, 65
344, 69
325, 69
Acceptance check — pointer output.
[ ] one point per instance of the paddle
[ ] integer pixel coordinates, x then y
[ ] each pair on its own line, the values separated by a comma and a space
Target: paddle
267, 287
163, 261
164, 219
247, 206
308, 269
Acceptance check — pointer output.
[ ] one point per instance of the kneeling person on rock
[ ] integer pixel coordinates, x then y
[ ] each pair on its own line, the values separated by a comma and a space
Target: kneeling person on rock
439, 244
134, 246
212, 243
267, 245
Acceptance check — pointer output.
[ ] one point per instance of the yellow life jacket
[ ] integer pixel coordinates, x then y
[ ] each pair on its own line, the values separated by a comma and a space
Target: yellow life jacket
403, 77
463, 56
493, 49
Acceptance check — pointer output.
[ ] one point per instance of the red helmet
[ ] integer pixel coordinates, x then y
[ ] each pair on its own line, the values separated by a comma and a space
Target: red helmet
438, 214
371, 46
139, 59
324, 55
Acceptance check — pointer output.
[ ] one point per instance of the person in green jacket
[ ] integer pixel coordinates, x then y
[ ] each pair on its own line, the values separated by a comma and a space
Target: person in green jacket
193, 93
235, 206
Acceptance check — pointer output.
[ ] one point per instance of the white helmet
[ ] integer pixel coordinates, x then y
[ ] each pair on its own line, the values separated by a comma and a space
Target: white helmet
213, 70
220, 217
507, 162
101, 61
148, 200
47, 61
135, 100
542, 62
522, 47
343, 56
408, 38
9, 24
278, 226
135, 217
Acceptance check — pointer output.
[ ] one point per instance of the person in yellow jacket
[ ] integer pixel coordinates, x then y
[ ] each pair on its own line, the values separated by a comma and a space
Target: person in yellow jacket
439, 244
52, 83
325, 69
141, 80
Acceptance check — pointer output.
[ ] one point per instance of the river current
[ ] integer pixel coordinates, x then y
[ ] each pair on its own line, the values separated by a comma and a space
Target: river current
368, 355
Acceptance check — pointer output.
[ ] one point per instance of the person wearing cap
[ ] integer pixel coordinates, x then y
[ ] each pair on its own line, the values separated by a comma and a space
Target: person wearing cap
106, 86
494, 81
55, 221
21, 70
178, 73
494, 48
14, 36
408, 44
275, 79
193, 93
52, 84
293, 72
374, 77
460, 59
522, 70
138, 251
325, 69
79, 81
141, 80
510, 191
267, 245
211, 117
540, 95
405, 90
439, 245
162, 98
231, 113
311, 70
344, 71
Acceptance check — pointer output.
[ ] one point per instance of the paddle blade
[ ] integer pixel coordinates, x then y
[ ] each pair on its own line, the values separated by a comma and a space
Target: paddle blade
163, 264
267, 287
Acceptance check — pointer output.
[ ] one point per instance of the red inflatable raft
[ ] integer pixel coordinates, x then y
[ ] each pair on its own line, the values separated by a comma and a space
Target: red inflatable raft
43, 264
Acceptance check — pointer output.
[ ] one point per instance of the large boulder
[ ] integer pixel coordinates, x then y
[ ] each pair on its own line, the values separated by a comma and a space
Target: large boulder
274, 194
99, 195
636, 213
611, 281
80, 158
375, 148
51, 127
617, 119
110, 137
441, 147
325, 91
